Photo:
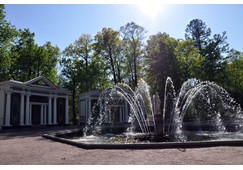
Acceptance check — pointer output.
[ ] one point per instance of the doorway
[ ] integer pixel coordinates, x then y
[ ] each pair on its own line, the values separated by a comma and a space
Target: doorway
36, 114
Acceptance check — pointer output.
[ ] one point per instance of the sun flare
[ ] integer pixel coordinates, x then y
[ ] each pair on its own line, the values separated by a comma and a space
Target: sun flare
151, 10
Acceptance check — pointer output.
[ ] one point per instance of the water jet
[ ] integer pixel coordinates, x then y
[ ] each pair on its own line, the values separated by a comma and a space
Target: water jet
202, 115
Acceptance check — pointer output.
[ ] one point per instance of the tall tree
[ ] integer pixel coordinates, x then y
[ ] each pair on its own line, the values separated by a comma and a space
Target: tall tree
162, 62
24, 56
70, 74
234, 75
211, 48
234, 71
83, 48
47, 59
82, 70
133, 35
81, 52
31, 60
190, 61
109, 46
7, 35
215, 62
197, 31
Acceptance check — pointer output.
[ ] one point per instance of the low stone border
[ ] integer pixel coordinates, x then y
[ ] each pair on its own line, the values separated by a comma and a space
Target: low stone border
155, 145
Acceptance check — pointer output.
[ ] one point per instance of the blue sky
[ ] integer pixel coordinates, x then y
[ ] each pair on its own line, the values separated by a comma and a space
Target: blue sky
63, 24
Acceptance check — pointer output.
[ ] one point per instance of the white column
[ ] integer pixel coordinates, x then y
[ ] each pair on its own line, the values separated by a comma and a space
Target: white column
22, 108
50, 111
66, 111
55, 110
27, 107
8, 105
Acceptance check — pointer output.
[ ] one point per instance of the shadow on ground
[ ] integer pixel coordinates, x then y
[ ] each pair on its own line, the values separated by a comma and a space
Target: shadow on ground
32, 132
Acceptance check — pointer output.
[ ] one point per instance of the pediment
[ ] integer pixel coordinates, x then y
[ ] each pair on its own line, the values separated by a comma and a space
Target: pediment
41, 81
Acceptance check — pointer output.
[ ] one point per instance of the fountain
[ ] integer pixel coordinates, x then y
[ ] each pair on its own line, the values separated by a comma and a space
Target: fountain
202, 115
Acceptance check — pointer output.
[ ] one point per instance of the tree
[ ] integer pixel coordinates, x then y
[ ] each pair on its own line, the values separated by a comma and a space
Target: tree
82, 70
215, 62
7, 35
81, 52
24, 56
47, 59
190, 61
70, 74
234, 75
83, 48
109, 46
21, 58
162, 63
133, 36
98, 71
234, 71
30, 60
197, 31
213, 49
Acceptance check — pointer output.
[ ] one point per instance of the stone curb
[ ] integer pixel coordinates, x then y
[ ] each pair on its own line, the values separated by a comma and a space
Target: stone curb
157, 145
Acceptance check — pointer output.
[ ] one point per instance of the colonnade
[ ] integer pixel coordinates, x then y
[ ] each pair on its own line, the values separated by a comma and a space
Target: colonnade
26, 109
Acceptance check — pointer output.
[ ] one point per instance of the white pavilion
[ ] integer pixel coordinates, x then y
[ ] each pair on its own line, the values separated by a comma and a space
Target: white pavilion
37, 102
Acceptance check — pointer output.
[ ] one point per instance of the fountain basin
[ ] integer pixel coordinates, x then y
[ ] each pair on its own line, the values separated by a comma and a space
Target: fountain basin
59, 137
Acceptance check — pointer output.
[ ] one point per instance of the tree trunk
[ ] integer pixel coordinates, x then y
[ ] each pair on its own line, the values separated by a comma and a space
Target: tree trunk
118, 73
112, 66
135, 73
86, 62
135, 67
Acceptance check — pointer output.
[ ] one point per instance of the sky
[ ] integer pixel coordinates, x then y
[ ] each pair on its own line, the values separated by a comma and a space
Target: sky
62, 24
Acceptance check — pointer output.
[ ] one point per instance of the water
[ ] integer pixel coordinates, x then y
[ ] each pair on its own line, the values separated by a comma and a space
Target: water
200, 111
124, 138
169, 105
139, 102
207, 105
213, 136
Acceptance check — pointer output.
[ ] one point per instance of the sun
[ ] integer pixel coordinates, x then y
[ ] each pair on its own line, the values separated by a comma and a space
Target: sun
150, 9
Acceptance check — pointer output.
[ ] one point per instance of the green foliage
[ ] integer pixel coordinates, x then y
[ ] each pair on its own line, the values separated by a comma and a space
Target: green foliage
197, 31
109, 47
7, 36
21, 58
215, 62
31, 60
133, 36
213, 49
234, 72
190, 60
112, 57
82, 70
162, 62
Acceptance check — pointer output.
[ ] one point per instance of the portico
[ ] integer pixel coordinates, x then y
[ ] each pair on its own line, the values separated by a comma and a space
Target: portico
118, 113
35, 102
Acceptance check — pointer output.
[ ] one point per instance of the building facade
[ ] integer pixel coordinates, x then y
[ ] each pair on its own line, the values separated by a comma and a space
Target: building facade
36, 102
116, 112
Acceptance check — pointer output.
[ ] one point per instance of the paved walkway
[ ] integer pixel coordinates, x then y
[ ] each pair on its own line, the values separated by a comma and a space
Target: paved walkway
24, 147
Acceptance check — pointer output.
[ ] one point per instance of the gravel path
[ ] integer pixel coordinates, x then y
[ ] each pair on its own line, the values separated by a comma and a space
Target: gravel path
27, 147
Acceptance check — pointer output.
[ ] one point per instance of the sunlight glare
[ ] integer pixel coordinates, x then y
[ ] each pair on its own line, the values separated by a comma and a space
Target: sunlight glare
151, 10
